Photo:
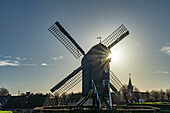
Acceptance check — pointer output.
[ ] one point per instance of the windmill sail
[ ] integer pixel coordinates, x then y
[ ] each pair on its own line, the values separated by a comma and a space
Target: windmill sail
70, 81
115, 83
120, 33
61, 34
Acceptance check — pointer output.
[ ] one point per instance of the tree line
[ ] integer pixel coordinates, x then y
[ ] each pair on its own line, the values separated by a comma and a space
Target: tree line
160, 95
4, 92
155, 95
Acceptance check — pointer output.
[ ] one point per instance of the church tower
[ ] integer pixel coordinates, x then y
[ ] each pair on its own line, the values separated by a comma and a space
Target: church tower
130, 86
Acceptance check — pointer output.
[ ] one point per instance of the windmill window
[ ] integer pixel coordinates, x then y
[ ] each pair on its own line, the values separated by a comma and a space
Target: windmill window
106, 70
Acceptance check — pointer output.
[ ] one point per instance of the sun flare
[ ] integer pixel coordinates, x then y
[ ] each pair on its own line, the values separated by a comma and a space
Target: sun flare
115, 55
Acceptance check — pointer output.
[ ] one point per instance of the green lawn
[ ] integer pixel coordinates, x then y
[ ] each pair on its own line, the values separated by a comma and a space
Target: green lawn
153, 103
6, 112
164, 106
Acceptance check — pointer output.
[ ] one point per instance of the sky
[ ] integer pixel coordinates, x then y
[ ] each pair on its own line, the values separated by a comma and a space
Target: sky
32, 59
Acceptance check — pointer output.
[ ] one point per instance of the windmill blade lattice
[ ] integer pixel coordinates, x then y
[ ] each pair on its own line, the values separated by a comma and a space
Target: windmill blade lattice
69, 82
120, 33
61, 34
115, 81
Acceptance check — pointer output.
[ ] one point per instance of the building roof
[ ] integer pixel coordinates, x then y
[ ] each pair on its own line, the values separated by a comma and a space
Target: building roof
97, 51
15, 102
137, 92
75, 97
4, 99
30, 101
35, 101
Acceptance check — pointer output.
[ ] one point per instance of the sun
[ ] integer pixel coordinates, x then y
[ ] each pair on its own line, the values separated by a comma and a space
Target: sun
115, 56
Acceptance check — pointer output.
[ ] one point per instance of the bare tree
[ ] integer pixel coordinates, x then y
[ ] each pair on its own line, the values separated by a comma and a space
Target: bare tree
168, 93
56, 98
124, 92
64, 98
155, 94
135, 89
124, 89
148, 95
162, 94
136, 94
4, 92
22, 94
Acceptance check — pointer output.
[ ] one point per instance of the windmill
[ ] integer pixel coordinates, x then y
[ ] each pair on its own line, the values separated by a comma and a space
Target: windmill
95, 73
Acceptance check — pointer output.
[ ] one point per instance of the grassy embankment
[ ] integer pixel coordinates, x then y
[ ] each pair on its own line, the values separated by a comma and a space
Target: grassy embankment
6, 111
164, 106
9, 111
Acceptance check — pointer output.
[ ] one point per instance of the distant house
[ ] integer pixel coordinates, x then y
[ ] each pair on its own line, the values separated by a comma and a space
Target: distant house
74, 98
0, 106
3, 101
26, 103
142, 96
116, 99
136, 95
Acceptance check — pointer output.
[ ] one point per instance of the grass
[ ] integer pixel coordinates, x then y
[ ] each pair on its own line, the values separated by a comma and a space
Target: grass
9, 111
6, 112
153, 103
164, 106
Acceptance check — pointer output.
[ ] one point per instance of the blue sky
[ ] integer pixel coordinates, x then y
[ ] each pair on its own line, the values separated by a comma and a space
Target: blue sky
32, 59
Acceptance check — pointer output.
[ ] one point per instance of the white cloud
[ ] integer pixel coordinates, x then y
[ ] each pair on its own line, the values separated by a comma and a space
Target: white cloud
7, 56
15, 61
25, 58
166, 48
28, 65
15, 58
9, 63
57, 58
18, 58
161, 72
43, 64
21, 59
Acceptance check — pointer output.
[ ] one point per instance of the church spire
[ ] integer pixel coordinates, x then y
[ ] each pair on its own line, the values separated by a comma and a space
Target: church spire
130, 87
130, 83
